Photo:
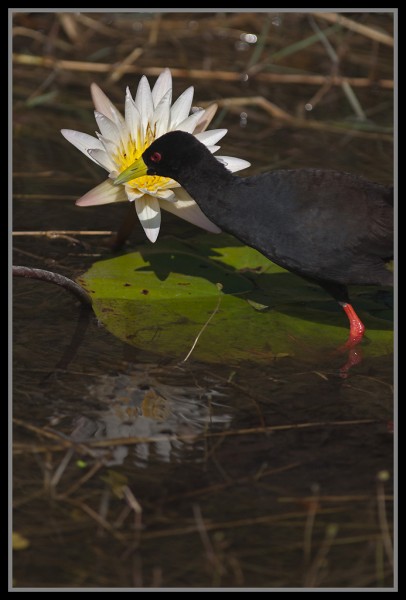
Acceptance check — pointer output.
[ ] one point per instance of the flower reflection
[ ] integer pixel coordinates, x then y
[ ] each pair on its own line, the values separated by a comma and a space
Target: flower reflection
158, 420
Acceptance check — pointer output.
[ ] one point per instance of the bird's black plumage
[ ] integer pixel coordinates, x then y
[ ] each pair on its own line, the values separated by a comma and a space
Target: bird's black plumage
330, 227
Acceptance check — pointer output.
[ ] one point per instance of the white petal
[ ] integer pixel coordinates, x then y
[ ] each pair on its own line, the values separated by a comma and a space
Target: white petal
149, 214
103, 159
233, 164
208, 138
190, 123
109, 146
161, 115
181, 108
108, 129
82, 141
188, 210
132, 116
104, 193
164, 191
206, 118
144, 103
163, 194
213, 149
162, 86
169, 184
103, 105
133, 193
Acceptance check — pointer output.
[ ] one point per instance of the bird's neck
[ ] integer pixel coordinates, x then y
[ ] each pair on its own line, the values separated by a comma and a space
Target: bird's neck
200, 187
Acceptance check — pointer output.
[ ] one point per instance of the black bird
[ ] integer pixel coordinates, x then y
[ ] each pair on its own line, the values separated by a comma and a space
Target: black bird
332, 228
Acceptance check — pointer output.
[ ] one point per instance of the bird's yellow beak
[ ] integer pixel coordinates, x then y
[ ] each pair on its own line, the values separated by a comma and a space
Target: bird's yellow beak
137, 169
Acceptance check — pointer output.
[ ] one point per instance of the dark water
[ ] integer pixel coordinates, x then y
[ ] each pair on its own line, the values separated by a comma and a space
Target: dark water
135, 470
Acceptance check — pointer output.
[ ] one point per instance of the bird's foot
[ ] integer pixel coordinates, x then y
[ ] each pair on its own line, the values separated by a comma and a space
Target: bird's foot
354, 357
357, 327
352, 345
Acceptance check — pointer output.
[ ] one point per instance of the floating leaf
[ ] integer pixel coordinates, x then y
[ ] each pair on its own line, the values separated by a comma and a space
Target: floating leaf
163, 297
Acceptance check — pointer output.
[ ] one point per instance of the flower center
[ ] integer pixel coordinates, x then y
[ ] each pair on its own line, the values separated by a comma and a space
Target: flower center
150, 184
129, 153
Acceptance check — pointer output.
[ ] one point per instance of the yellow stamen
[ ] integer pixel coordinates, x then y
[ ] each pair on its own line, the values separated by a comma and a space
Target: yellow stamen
126, 156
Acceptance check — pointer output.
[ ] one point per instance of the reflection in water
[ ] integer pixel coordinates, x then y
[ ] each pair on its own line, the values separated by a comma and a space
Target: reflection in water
136, 405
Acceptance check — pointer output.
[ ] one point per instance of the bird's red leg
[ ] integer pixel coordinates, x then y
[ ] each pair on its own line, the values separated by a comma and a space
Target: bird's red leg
357, 329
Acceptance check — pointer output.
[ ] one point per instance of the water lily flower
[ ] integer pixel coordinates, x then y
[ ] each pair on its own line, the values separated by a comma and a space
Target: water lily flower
122, 140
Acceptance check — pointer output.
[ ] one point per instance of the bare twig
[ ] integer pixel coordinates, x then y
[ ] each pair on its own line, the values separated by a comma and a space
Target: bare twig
55, 278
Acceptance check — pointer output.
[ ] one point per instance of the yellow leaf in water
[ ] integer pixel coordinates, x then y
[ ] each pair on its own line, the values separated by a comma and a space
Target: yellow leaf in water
20, 542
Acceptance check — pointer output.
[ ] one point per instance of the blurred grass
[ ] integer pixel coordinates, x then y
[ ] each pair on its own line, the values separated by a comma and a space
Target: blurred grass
60, 52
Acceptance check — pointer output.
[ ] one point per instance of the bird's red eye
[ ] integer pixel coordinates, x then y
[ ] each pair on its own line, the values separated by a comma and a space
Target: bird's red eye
155, 157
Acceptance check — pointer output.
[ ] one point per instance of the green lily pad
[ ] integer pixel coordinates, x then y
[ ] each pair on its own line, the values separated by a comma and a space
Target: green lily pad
237, 303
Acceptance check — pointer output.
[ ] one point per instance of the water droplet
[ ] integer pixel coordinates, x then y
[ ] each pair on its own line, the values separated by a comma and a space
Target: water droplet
244, 77
276, 21
193, 24
309, 106
250, 38
383, 476
243, 119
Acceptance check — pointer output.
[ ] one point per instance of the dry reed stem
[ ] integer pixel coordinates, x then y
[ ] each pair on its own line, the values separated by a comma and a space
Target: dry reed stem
60, 233
130, 441
120, 68
248, 522
365, 30
278, 113
96, 517
38, 36
382, 517
203, 328
286, 78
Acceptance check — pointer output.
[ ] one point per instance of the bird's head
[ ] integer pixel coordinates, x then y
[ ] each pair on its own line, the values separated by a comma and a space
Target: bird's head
166, 157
